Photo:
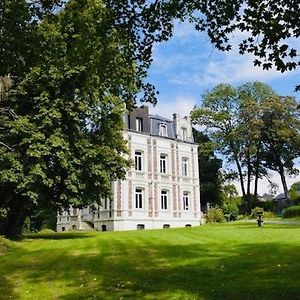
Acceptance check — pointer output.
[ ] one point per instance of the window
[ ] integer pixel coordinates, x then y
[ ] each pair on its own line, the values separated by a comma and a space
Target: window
138, 160
138, 198
186, 200
139, 124
185, 163
184, 133
164, 199
140, 226
163, 163
163, 130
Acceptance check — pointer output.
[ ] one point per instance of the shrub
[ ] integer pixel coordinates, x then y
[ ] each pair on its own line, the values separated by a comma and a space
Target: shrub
269, 214
231, 211
268, 205
215, 215
254, 212
291, 212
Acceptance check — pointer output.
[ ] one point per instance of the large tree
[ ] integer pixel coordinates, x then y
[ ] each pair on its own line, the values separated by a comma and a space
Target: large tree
254, 128
74, 69
281, 136
209, 170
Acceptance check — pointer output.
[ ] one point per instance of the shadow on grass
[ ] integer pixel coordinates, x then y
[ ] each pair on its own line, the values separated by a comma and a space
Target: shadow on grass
59, 236
115, 269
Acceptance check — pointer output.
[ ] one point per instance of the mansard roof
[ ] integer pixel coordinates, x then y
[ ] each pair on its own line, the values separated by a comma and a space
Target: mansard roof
156, 121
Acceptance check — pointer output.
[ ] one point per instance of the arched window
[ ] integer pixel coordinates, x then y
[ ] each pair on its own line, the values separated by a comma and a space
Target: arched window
163, 130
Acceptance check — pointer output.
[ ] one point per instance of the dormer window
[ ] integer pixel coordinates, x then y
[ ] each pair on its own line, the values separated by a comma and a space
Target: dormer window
163, 130
184, 133
139, 124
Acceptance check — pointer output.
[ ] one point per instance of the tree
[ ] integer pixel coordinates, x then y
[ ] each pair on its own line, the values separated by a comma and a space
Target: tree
209, 170
219, 114
230, 201
251, 97
62, 121
281, 136
254, 128
294, 192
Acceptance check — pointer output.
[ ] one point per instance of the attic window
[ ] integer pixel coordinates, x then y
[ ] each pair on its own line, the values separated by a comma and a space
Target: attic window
163, 130
139, 124
184, 133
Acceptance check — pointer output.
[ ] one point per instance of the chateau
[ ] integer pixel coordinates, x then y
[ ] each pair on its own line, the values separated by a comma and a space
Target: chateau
162, 188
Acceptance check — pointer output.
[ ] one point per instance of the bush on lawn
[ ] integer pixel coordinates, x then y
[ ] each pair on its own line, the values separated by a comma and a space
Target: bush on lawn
215, 215
255, 211
291, 212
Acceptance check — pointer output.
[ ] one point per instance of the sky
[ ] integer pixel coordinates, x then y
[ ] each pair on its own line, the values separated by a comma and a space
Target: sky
188, 64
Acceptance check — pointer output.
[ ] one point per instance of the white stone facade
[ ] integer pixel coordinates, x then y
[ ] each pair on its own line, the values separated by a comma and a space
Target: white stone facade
160, 191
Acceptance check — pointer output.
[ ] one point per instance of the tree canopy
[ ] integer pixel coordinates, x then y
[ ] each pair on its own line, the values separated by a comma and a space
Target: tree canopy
209, 170
74, 70
254, 128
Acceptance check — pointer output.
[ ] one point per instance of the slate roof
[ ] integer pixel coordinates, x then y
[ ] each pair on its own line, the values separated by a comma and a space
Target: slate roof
155, 120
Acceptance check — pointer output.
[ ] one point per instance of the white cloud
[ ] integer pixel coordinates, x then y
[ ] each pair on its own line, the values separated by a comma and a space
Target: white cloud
181, 105
190, 60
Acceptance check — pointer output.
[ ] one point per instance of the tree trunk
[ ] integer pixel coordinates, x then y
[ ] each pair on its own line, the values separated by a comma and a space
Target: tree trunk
15, 219
240, 175
283, 180
256, 174
248, 176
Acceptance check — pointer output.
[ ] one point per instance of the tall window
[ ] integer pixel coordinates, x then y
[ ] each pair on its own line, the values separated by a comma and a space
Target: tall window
139, 124
164, 199
163, 163
138, 157
138, 198
163, 130
186, 200
184, 133
185, 164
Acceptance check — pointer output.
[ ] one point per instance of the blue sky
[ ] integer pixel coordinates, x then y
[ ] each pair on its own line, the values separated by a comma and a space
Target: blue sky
187, 65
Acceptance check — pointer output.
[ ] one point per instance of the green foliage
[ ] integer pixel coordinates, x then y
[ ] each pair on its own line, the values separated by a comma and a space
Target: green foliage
268, 206
254, 128
269, 214
291, 212
230, 202
209, 170
215, 215
294, 192
255, 211
62, 121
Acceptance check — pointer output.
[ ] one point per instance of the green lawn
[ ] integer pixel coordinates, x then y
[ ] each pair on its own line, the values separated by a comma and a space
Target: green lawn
228, 261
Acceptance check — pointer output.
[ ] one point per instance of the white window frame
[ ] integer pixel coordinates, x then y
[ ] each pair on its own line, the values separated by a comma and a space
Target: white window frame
139, 198
184, 133
164, 195
163, 130
185, 166
139, 124
163, 163
138, 160
186, 200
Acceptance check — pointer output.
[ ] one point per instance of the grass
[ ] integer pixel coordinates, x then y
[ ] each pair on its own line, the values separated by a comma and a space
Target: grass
227, 261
